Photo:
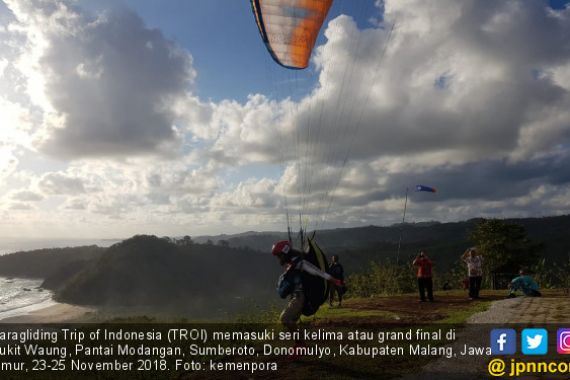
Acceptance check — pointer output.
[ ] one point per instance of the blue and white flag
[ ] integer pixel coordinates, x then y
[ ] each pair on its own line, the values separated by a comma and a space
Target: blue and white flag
425, 188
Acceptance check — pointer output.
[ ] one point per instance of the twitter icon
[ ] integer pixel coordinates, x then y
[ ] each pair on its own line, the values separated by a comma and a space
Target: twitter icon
534, 341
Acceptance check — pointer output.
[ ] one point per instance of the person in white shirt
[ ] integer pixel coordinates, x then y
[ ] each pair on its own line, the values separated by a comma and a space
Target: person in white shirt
474, 262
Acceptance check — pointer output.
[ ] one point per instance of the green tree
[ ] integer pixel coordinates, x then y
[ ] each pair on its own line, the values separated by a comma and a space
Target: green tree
505, 246
383, 278
186, 241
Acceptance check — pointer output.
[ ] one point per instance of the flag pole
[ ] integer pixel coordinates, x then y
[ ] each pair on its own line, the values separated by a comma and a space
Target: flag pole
289, 228
402, 227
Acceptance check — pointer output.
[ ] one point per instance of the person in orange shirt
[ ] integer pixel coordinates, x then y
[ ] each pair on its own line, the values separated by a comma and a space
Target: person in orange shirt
425, 282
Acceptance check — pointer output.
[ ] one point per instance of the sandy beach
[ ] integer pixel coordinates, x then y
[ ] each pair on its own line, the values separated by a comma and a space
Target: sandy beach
60, 312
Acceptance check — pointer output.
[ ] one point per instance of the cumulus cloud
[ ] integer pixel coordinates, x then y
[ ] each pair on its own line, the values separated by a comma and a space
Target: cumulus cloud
75, 204
455, 76
180, 180
107, 80
8, 161
250, 194
471, 97
27, 196
118, 206
20, 206
61, 184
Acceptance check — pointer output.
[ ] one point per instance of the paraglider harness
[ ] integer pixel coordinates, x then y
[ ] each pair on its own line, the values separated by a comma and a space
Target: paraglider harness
315, 289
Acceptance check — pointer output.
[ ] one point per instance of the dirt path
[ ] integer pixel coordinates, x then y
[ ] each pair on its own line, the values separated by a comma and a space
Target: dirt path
553, 308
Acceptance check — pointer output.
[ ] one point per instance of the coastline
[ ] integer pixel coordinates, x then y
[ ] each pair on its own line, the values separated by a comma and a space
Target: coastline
23, 300
49, 312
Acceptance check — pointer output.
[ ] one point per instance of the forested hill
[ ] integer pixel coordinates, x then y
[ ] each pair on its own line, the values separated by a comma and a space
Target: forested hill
358, 246
446, 241
152, 271
43, 263
155, 272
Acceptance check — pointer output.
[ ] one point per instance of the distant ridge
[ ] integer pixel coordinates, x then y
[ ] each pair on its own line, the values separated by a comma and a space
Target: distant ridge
151, 271
446, 240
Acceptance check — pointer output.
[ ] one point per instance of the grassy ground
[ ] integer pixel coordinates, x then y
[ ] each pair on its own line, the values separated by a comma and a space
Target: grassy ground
379, 313
449, 307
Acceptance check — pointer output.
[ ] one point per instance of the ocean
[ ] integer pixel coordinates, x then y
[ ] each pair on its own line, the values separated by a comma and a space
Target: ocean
21, 296
10, 245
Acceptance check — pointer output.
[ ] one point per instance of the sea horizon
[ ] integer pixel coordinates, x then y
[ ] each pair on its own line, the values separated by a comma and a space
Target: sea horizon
12, 245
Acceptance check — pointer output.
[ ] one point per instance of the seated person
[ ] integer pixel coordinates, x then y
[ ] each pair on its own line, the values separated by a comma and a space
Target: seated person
525, 284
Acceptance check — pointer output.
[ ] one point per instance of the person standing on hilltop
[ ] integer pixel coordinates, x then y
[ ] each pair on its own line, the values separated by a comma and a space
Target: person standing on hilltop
425, 282
474, 263
337, 271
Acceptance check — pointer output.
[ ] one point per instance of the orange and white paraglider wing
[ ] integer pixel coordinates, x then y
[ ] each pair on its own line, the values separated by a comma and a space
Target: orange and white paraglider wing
290, 28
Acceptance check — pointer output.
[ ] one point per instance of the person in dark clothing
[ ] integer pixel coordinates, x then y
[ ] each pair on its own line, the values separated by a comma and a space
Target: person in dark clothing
290, 283
337, 271
425, 282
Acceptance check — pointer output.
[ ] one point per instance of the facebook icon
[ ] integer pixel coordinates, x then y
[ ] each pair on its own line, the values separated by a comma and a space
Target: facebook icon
503, 341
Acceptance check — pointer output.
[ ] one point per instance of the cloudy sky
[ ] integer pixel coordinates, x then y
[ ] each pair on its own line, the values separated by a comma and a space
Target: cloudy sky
170, 117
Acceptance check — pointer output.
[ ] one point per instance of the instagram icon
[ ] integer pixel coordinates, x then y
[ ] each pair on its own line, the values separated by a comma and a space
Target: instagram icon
563, 341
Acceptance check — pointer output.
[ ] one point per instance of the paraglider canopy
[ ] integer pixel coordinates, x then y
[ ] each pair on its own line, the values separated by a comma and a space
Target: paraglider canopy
290, 28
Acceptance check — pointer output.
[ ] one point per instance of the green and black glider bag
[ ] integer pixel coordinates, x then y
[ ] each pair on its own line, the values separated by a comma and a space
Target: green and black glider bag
316, 288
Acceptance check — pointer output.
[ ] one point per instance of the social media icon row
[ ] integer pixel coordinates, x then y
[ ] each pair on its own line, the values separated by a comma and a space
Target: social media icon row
563, 341
533, 341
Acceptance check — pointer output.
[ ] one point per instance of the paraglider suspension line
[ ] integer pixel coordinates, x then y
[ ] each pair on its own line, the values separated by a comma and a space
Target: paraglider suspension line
402, 228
